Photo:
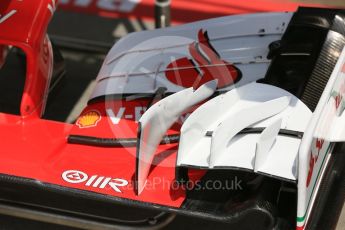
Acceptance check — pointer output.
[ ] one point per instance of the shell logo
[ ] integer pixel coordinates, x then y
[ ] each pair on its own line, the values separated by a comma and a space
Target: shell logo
89, 119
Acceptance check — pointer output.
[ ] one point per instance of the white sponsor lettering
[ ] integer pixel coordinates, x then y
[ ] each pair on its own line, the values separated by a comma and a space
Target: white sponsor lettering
101, 182
74, 176
118, 183
115, 119
116, 116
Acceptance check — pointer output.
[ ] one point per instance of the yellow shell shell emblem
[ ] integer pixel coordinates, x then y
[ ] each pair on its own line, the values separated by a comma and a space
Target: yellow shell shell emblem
89, 119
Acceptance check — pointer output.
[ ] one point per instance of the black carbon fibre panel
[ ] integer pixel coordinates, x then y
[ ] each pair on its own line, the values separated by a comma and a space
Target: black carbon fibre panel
300, 46
323, 69
314, 17
307, 53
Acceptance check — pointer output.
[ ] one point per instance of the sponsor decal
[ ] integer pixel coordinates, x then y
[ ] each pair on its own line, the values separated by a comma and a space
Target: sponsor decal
312, 162
121, 113
89, 119
319, 145
339, 100
74, 176
338, 96
95, 181
117, 115
204, 65
313, 159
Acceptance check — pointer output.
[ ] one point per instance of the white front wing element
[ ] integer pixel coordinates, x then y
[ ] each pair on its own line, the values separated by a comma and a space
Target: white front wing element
138, 62
211, 137
265, 143
158, 119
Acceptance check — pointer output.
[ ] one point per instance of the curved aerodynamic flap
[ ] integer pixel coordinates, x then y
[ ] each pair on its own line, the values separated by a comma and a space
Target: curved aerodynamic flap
265, 142
254, 127
244, 118
158, 119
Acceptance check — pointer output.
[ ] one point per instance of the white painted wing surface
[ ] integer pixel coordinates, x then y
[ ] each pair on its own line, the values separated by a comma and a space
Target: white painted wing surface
158, 119
211, 136
138, 63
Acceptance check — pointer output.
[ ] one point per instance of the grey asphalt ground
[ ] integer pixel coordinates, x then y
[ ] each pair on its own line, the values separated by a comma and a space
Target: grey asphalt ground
82, 69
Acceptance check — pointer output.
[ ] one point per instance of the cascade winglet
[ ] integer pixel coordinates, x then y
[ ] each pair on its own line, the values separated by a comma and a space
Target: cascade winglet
265, 143
158, 119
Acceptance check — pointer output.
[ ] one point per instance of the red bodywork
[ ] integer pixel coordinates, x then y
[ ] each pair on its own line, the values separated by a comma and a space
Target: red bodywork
43, 154
37, 149
196, 10
24, 25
